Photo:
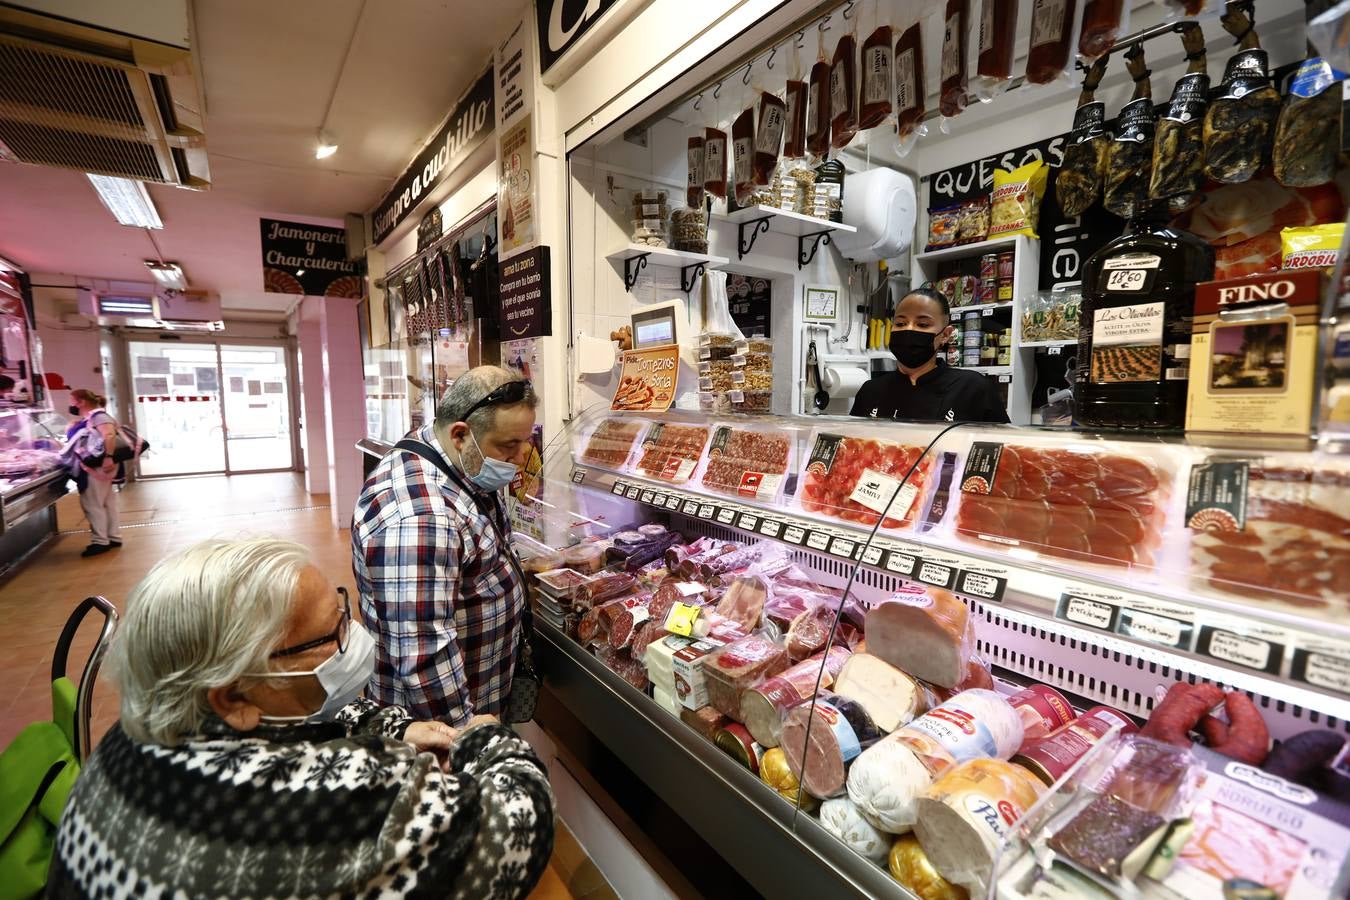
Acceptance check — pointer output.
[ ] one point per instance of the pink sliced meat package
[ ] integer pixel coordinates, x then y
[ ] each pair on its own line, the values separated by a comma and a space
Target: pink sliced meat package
747, 462
738, 666
743, 603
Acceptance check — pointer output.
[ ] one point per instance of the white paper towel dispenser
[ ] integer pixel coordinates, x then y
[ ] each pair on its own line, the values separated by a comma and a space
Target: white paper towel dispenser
882, 205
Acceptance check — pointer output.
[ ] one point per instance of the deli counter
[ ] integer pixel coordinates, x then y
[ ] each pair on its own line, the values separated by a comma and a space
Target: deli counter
32, 479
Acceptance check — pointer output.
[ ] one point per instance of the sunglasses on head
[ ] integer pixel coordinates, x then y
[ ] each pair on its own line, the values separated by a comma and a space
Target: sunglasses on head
511, 392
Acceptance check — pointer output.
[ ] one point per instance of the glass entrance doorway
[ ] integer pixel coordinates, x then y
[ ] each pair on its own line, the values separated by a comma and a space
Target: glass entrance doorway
212, 407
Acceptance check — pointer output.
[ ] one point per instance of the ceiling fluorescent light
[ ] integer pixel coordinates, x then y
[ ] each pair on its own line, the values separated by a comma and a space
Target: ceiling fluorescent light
326, 146
169, 275
127, 200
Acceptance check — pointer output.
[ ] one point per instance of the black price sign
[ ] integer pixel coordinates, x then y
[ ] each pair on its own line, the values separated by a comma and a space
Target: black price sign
619, 488
936, 574
980, 586
1250, 652
726, 515
578, 476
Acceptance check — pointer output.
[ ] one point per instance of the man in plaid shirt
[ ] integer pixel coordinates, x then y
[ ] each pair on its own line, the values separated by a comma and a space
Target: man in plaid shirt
437, 587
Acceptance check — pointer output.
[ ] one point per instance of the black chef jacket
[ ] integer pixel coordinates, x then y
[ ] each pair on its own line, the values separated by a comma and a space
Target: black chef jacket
942, 395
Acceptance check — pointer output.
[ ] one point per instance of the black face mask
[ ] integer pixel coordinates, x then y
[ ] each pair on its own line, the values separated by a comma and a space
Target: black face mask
912, 349
74, 410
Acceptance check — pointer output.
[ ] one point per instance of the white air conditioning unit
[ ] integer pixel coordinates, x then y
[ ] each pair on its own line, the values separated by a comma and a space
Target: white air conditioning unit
189, 311
166, 311
80, 96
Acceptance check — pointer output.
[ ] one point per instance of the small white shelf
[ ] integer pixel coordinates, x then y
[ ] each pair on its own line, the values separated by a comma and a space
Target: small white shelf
965, 251
783, 221
664, 256
1032, 345
987, 370
960, 311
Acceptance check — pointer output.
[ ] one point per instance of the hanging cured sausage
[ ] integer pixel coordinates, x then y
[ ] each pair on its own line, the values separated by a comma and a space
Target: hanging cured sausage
998, 35
1101, 27
844, 92
1080, 175
794, 144
877, 58
1178, 146
1051, 32
818, 113
952, 99
715, 162
1308, 133
1129, 156
1240, 123
768, 136
909, 85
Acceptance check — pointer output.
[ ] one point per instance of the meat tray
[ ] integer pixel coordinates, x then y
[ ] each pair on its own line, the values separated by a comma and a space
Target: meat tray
747, 462
672, 452
854, 478
610, 443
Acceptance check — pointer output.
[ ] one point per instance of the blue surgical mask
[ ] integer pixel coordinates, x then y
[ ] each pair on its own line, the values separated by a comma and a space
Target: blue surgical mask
494, 474
343, 676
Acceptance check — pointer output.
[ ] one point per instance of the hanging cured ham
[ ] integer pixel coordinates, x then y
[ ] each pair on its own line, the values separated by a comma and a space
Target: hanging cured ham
1080, 175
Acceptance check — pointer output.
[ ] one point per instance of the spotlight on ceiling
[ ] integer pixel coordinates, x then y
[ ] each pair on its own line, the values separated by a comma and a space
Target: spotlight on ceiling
326, 146
168, 274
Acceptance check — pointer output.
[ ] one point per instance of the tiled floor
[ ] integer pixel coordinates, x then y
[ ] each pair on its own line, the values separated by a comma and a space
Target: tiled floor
160, 518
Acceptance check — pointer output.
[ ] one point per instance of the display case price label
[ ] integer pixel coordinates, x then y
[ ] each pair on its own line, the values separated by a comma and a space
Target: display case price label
748, 522
706, 510
726, 515
1244, 650
648, 497
619, 488
936, 574
1330, 671
578, 476
818, 540
794, 534
872, 555
901, 563
770, 528
659, 500
1086, 611
691, 507
980, 586
1053, 351
1155, 629
842, 547
672, 502
633, 492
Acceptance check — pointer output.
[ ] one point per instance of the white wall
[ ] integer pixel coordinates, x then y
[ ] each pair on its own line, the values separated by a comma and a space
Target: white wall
344, 403
313, 408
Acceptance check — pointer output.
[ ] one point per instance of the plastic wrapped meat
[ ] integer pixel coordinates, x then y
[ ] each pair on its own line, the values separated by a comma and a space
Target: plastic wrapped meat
1293, 548
1239, 124
1092, 507
1129, 155
1104, 833
1079, 183
1308, 133
671, 452
611, 442
743, 603
1230, 843
1178, 170
737, 666
746, 463
837, 465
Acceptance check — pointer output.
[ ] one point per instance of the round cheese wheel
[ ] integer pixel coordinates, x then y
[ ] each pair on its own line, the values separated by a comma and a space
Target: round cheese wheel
910, 866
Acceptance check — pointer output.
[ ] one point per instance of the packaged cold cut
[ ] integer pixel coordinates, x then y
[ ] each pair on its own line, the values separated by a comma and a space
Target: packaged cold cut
997, 37
764, 706
1042, 710
621, 663
1178, 170
768, 137
1240, 122
1050, 758
953, 84
733, 740
715, 162
888, 778
794, 114
1105, 508
878, 57
611, 443
1052, 24
626, 625
1308, 131
691, 682
891, 697
925, 632
1284, 541
672, 452
747, 462
1129, 154
821, 737
743, 156
1079, 182
777, 774
855, 479
743, 603
705, 720
818, 110
809, 631
967, 814
909, 866
739, 665
842, 819
910, 94
844, 92
1104, 21
693, 194
1016, 203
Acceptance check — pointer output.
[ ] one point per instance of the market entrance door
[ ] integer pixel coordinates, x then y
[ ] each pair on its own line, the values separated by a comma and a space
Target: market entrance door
212, 407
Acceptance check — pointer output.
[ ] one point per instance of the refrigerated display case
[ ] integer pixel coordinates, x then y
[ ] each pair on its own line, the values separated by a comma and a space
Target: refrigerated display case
1105, 568
32, 479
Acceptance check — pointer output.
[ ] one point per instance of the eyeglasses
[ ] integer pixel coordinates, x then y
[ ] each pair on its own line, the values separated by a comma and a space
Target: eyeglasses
339, 634
511, 392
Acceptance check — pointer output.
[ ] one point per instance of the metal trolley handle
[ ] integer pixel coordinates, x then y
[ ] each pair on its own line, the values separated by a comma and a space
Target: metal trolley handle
85, 691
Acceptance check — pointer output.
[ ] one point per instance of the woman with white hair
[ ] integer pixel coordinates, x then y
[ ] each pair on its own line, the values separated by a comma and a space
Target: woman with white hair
244, 766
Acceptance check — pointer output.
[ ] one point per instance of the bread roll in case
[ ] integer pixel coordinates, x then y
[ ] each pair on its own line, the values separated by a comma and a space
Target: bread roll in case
968, 813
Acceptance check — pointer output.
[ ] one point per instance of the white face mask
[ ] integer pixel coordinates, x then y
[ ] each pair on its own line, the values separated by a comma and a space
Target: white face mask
343, 676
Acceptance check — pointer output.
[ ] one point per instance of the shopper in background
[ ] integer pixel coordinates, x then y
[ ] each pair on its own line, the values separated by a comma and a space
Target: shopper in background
98, 495
430, 550
924, 388
243, 765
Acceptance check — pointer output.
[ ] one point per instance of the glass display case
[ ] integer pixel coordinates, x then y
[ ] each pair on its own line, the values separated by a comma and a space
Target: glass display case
818, 608
32, 478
